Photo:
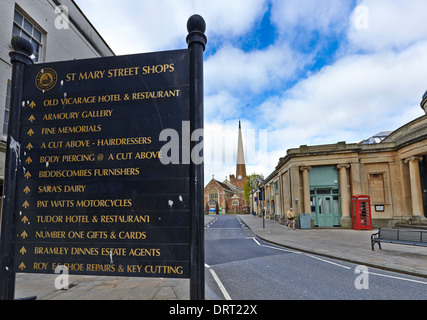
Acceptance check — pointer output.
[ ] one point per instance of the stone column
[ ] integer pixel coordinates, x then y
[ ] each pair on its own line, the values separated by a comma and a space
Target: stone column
416, 195
306, 189
345, 220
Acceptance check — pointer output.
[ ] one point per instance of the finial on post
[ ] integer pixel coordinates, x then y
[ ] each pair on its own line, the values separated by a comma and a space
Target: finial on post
196, 23
196, 27
21, 44
23, 50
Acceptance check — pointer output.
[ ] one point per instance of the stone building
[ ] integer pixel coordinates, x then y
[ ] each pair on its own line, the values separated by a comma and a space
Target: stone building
57, 29
228, 196
391, 168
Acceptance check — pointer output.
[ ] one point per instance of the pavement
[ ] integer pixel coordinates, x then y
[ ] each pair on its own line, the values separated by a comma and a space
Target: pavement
348, 245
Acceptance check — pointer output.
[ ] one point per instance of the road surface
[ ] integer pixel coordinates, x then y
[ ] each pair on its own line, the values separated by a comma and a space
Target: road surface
240, 266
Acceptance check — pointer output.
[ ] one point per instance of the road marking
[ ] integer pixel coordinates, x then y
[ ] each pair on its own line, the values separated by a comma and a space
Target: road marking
327, 261
275, 248
296, 252
256, 241
226, 228
219, 283
337, 264
211, 222
393, 277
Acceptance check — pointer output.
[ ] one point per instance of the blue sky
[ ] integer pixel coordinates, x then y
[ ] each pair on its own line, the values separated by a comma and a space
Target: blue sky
297, 72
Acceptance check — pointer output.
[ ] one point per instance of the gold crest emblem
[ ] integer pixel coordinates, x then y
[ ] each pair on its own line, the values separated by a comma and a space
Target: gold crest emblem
46, 79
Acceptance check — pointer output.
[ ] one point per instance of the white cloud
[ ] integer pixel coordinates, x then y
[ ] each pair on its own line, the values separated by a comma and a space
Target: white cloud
255, 71
350, 100
131, 26
220, 106
307, 16
227, 18
391, 24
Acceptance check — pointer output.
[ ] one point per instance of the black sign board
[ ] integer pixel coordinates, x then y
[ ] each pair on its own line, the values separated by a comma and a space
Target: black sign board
98, 175
92, 191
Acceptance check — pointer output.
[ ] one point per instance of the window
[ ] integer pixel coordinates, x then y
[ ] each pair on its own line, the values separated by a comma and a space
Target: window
324, 191
6, 110
276, 187
235, 202
213, 196
24, 28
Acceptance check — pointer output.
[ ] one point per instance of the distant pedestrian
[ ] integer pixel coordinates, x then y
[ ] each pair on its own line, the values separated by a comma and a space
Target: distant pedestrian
291, 218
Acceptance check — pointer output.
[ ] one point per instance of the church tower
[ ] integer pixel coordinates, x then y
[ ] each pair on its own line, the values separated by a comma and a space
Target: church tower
240, 166
240, 178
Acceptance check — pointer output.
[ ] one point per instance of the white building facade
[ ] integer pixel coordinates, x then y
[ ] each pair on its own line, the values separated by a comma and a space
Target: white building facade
58, 31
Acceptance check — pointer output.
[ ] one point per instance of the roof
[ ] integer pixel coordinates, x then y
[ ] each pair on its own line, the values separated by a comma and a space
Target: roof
223, 185
379, 137
226, 185
232, 186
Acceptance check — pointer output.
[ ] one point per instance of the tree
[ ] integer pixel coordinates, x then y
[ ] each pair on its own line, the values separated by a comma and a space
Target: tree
251, 183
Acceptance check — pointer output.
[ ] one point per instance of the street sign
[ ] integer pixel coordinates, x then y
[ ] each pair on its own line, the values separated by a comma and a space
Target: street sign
93, 194
98, 174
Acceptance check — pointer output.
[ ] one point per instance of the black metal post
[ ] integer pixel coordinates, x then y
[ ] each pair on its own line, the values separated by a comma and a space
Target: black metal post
19, 58
196, 41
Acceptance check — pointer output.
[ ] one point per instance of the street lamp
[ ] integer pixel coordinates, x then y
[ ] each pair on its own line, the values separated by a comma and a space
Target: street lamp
262, 198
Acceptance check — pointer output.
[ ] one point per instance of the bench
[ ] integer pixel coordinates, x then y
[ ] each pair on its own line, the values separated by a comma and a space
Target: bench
399, 236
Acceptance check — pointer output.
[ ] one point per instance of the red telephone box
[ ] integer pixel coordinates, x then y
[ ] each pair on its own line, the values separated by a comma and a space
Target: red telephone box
361, 212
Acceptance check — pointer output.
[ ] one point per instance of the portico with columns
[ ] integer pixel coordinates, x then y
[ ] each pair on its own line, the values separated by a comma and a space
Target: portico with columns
345, 220
321, 180
415, 187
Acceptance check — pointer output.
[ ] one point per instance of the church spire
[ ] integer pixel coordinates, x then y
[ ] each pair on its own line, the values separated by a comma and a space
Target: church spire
240, 166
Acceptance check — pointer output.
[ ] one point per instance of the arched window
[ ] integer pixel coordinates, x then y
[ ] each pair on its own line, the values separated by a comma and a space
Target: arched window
213, 197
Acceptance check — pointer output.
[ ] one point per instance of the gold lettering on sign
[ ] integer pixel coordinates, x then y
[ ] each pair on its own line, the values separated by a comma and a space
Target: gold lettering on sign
80, 129
51, 250
116, 172
91, 75
109, 203
123, 72
93, 203
60, 189
77, 144
143, 252
160, 68
65, 173
124, 141
164, 269
61, 116
156, 94
100, 267
125, 218
84, 251
97, 114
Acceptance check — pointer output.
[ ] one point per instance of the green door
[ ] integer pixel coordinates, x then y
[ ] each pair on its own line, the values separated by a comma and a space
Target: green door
325, 196
326, 207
